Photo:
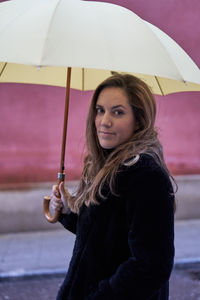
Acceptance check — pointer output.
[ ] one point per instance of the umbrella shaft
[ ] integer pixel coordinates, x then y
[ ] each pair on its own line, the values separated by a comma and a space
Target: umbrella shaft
64, 137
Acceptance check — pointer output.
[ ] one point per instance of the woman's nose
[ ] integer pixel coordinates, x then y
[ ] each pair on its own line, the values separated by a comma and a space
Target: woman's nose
106, 120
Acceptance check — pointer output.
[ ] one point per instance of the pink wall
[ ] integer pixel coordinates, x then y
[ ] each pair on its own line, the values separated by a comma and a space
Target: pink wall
31, 116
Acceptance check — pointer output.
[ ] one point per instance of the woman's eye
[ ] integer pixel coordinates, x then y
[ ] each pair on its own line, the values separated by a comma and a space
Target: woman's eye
99, 110
118, 112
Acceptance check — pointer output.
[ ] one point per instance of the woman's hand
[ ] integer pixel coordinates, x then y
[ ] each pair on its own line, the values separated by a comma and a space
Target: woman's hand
60, 196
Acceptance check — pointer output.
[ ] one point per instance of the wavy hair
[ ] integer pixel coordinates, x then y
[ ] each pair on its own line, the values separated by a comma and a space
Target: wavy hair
101, 165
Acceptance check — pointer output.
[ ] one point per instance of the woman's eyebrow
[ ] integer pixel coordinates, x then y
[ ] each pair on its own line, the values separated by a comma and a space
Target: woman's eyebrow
113, 107
118, 106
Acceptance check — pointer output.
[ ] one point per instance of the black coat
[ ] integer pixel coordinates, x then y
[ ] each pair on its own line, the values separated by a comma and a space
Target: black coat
124, 247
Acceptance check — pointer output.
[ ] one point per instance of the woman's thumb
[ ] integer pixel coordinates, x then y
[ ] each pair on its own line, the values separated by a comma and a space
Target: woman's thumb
62, 189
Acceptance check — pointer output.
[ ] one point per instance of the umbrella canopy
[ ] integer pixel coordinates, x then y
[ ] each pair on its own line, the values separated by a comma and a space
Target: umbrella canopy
89, 35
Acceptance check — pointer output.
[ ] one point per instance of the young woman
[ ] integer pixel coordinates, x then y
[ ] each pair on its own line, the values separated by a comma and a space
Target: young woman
123, 212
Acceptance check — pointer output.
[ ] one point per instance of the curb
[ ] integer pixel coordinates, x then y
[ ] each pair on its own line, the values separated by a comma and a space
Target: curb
28, 274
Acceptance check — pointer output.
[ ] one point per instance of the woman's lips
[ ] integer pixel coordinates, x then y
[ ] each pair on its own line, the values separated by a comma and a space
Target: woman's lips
106, 133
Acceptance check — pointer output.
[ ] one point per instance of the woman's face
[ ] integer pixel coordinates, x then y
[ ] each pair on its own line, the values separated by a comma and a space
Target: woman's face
115, 122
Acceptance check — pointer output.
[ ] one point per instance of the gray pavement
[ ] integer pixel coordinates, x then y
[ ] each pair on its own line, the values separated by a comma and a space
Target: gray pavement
49, 252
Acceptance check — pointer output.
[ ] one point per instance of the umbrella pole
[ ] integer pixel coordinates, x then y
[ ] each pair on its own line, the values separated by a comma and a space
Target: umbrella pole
64, 137
61, 174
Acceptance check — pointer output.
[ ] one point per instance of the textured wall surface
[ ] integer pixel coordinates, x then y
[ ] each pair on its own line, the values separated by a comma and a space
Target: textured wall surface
31, 116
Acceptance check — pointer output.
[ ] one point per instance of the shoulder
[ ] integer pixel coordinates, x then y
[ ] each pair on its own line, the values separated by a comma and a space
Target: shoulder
146, 172
147, 185
145, 164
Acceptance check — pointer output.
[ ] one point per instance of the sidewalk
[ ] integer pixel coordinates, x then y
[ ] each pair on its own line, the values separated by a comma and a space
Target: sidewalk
49, 252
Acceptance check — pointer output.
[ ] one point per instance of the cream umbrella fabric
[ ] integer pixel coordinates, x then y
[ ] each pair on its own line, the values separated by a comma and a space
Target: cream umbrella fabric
84, 79
93, 38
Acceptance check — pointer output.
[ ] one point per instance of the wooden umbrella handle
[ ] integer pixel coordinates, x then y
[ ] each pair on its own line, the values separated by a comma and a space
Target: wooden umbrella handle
61, 175
46, 204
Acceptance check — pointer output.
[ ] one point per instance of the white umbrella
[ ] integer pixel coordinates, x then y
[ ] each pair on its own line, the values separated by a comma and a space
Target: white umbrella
95, 35
88, 36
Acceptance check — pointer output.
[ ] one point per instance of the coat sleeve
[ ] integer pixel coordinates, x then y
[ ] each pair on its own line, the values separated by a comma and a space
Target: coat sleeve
150, 217
69, 221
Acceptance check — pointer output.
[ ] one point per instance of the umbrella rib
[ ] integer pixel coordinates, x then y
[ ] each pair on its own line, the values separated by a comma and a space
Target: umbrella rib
158, 83
3, 69
83, 79
48, 31
149, 25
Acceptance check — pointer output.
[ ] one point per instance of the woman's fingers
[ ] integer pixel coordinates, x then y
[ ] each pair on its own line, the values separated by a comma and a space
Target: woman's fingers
56, 203
59, 198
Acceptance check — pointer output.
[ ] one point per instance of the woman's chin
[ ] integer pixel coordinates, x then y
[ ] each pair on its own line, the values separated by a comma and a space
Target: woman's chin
107, 146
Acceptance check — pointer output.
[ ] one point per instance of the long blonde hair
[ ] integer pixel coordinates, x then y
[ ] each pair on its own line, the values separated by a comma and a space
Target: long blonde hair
101, 165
